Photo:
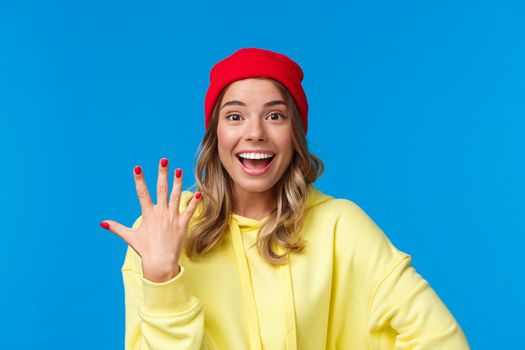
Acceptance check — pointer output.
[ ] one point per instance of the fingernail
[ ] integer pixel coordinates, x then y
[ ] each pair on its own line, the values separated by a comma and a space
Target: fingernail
178, 173
104, 225
138, 170
164, 162
198, 195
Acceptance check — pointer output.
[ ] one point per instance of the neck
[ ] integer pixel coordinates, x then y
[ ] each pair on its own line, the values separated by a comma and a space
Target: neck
253, 205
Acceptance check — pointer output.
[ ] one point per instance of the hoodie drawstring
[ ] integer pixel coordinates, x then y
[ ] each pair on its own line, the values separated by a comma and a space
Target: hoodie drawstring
249, 296
252, 317
289, 304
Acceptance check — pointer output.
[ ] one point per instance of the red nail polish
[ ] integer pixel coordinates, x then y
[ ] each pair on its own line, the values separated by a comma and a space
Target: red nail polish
178, 173
164, 162
198, 195
138, 170
104, 225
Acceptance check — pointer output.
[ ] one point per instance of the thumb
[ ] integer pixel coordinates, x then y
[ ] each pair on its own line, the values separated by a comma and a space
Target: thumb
118, 229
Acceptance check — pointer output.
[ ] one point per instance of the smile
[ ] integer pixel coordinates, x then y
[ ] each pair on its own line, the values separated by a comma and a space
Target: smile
254, 164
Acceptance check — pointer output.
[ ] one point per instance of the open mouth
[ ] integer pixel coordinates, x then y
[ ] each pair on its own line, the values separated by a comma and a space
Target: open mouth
255, 161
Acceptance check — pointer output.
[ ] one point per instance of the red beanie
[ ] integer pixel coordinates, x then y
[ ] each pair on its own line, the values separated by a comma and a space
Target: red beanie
252, 62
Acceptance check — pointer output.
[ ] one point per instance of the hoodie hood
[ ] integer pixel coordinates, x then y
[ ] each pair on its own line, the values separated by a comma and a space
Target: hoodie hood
315, 198
239, 226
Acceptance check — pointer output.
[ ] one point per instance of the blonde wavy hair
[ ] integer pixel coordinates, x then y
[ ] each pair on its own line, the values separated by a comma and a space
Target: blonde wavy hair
284, 223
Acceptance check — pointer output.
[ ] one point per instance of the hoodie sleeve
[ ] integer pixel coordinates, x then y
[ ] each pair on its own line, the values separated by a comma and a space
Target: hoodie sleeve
159, 315
405, 303
402, 310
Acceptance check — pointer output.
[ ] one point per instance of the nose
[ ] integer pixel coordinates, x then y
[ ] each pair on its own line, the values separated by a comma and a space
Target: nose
255, 130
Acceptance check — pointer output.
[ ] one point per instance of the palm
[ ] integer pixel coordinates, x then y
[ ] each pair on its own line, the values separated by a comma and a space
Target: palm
160, 237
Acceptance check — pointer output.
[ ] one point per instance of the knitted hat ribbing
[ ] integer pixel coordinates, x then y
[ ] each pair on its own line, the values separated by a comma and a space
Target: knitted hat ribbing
253, 62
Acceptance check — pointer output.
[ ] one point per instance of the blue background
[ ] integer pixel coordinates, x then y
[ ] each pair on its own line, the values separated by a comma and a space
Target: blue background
416, 109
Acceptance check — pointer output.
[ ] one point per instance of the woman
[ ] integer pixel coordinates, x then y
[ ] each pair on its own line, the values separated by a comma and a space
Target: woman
258, 258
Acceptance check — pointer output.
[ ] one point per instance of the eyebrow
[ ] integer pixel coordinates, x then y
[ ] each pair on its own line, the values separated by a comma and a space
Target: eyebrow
240, 103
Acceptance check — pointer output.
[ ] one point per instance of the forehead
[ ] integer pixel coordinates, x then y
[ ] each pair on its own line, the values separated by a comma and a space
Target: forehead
252, 90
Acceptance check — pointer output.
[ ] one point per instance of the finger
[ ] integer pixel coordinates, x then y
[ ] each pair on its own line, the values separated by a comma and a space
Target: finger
188, 213
162, 183
118, 229
142, 190
176, 192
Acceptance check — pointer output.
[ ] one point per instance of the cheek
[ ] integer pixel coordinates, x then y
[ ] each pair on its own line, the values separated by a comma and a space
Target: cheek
284, 140
225, 144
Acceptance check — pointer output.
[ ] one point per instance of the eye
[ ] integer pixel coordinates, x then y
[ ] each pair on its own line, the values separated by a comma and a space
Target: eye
276, 116
233, 117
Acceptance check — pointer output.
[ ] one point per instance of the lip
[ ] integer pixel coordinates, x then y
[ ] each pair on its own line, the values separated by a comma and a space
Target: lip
254, 172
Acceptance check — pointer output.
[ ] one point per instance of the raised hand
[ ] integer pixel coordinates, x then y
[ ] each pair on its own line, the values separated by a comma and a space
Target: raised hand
160, 237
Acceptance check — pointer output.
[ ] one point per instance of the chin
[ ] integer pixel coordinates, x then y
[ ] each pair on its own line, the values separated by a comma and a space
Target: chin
254, 186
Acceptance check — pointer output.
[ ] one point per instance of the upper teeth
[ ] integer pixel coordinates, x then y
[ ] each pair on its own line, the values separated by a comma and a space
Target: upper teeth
255, 155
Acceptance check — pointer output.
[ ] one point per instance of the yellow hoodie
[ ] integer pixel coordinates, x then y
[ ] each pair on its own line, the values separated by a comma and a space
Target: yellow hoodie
349, 289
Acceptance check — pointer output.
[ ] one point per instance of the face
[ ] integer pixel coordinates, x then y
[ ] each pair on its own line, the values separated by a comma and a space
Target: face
254, 135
